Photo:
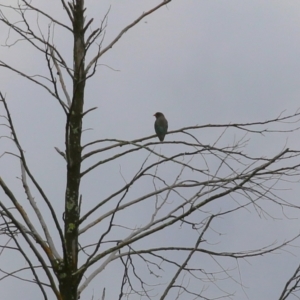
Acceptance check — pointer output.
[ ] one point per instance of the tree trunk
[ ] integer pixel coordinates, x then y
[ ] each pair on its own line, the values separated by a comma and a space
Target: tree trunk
68, 282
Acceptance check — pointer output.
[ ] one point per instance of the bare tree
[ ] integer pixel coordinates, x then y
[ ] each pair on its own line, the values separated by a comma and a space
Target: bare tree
181, 192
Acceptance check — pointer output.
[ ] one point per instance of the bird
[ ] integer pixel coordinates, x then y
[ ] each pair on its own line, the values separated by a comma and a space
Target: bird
160, 125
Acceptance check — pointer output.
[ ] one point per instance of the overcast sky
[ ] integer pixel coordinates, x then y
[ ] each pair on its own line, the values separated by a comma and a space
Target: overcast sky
198, 62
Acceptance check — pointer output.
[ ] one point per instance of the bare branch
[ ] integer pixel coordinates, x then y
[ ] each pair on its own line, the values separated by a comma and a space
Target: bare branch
67, 10
183, 265
61, 79
95, 59
39, 215
48, 16
28, 171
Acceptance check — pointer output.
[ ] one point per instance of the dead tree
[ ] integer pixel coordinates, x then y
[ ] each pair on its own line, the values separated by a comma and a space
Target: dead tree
180, 192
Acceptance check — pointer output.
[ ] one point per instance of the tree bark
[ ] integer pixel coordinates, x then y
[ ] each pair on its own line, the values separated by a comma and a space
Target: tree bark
68, 281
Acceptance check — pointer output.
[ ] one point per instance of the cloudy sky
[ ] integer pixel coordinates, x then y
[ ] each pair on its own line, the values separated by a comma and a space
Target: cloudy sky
198, 62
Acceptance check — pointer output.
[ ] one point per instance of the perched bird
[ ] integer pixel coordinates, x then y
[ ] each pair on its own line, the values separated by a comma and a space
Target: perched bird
160, 125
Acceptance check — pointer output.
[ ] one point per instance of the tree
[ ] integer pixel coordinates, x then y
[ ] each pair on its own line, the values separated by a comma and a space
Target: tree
139, 227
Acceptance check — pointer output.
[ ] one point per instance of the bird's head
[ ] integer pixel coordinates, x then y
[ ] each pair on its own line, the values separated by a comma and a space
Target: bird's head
158, 114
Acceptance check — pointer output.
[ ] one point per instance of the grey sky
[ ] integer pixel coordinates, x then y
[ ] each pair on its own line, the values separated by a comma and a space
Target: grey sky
198, 62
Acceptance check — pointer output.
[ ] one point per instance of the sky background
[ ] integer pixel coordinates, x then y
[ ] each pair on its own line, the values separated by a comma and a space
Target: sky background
198, 62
